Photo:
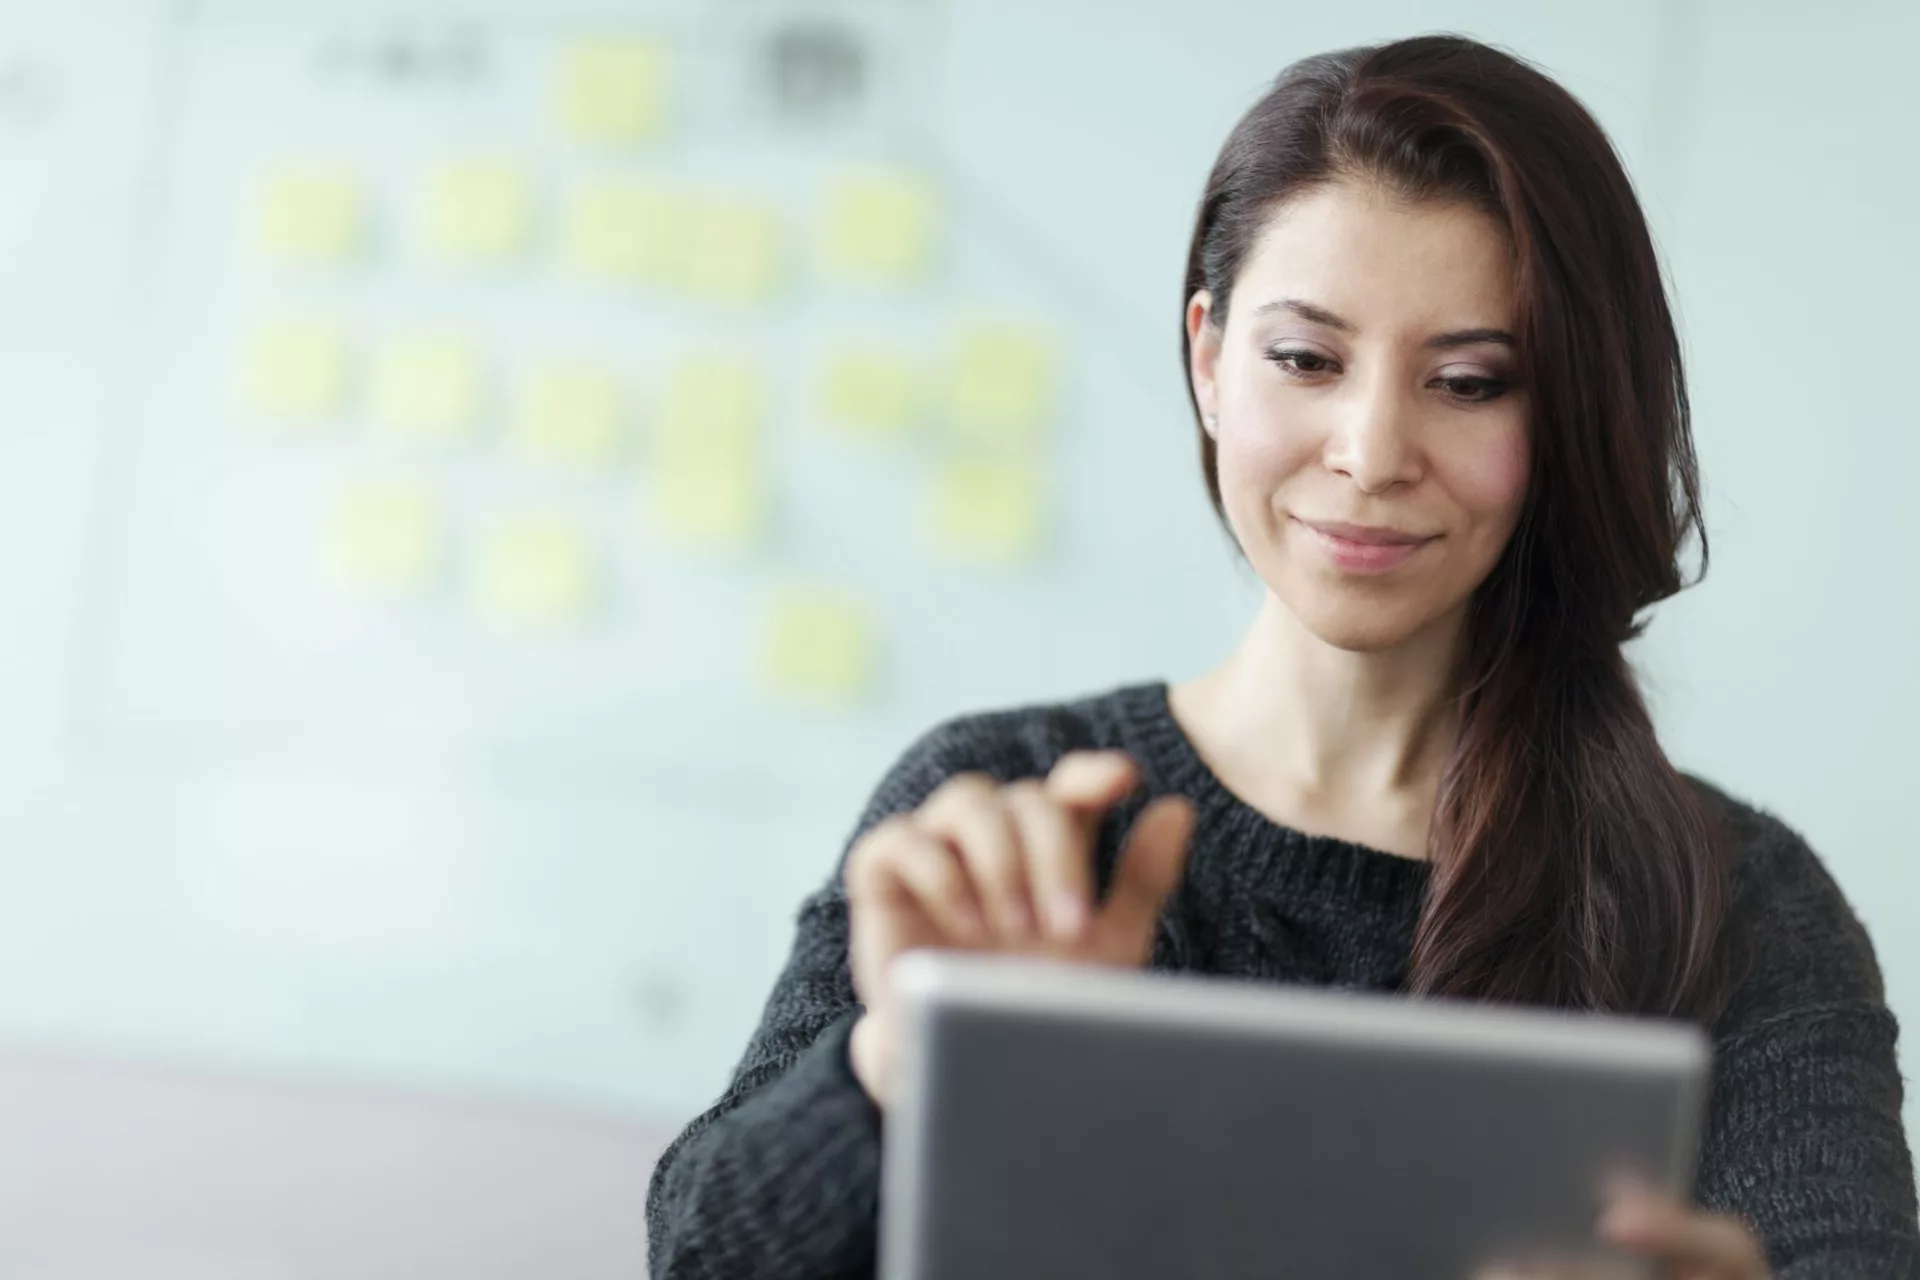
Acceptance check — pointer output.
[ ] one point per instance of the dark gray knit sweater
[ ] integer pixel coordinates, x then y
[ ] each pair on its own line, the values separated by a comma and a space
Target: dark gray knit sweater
781, 1177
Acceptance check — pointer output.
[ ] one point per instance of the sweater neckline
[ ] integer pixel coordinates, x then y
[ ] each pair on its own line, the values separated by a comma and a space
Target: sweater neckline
1252, 848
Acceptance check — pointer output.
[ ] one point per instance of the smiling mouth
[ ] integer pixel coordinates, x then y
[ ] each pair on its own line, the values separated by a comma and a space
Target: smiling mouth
1367, 535
1358, 549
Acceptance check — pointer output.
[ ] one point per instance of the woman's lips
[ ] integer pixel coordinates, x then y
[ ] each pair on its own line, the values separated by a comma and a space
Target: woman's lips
1364, 548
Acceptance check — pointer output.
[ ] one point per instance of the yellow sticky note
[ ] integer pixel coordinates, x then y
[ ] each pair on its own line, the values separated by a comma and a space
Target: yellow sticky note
629, 230
714, 395
535, 568
570, 414
427, 388
879, 228
819, 645
733, 252
313, 217
875, 393
706, 482
386, 537
987, 510
477, 211
296, 371
614, 90
1002, 383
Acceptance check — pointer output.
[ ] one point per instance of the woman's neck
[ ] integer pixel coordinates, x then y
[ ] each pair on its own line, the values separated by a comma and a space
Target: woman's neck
1323, 734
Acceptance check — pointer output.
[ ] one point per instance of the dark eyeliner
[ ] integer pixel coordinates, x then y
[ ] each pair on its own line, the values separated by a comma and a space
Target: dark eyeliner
1282, 356
1485, 390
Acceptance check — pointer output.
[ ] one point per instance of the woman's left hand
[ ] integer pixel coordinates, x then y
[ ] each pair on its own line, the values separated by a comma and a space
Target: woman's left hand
1688, 1244
1692, 1245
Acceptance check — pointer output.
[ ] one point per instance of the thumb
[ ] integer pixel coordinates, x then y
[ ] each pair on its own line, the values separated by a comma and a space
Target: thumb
1151, 865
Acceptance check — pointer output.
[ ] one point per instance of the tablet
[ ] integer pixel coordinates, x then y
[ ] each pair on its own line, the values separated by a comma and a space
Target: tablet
1060, 1121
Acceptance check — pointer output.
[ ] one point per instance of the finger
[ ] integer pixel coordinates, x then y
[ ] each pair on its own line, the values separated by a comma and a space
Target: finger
868, 873
1715, 1246
884, 916
1712, 1244
1092, 780
897, 864
1059, 862
1150, 867
969, 814
927, 869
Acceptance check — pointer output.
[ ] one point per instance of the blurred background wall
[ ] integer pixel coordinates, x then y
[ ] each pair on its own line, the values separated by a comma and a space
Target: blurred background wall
485, 489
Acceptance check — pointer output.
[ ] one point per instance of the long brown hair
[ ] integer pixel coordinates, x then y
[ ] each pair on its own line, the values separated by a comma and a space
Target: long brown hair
1572, 864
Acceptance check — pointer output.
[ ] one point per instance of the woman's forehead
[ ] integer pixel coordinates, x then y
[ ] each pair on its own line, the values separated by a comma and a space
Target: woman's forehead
1377, 259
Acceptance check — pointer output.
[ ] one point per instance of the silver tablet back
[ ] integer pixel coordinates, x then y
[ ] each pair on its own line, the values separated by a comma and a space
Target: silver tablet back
1056, 1122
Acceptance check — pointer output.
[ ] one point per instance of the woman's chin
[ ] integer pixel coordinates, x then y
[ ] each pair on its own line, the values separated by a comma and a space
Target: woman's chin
1357, 626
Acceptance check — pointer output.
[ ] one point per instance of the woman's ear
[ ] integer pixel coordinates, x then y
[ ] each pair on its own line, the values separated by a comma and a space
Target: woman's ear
1203, 359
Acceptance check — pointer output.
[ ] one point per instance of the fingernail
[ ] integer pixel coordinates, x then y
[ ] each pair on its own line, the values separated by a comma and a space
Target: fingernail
972, 923
1069, 914
1020, 915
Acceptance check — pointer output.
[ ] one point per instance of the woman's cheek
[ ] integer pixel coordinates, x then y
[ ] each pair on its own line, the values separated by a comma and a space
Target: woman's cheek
1258, 456
1491, 478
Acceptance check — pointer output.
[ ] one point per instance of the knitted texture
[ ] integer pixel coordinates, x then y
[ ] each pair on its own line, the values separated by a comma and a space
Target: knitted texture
780, 1178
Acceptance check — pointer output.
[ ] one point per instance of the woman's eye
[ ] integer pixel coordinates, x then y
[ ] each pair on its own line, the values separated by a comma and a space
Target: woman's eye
1298, 361
1473, 387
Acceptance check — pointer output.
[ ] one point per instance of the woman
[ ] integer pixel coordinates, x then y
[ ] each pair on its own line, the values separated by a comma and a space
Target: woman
1441, 409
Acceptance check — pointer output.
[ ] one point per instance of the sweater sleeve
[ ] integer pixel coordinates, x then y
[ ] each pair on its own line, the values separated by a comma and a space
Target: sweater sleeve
1804, 1138
781, 1176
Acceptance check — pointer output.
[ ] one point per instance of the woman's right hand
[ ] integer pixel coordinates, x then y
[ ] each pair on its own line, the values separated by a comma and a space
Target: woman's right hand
985, 866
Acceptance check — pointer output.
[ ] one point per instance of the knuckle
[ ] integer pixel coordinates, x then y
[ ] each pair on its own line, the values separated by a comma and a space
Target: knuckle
991, 861
927, 862
1048, 819
873, 843
1025, 790
961, 787
878, 847
1036, 807
994, 862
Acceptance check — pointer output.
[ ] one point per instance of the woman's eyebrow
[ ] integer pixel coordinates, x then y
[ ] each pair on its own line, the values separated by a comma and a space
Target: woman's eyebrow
1468, 338
1306, 311
1438, 342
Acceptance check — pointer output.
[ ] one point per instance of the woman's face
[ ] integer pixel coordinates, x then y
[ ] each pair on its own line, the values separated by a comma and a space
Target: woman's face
1372, 438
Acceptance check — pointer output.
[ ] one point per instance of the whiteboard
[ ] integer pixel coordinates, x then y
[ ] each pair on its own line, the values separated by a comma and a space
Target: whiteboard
259, 823
219, 633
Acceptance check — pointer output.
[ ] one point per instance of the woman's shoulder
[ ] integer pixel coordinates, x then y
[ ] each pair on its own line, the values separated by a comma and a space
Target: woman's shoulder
1773, 864
1806, 945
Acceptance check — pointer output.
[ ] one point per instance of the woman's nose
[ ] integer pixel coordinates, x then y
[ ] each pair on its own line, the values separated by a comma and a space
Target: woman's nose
1373, 441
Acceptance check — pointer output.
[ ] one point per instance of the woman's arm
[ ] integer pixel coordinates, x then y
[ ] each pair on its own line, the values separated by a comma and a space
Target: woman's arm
1805, 1138
1806, 1143
781, 1176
